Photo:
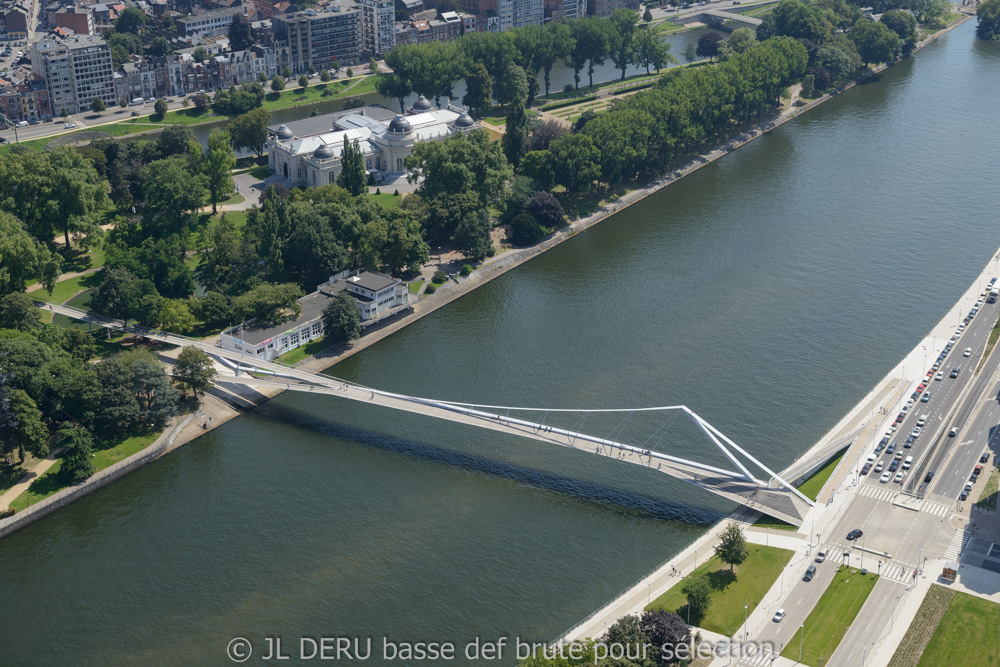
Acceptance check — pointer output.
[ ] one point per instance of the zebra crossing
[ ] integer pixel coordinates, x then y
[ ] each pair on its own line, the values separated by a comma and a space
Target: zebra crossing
958, 543
937, 509
765, 658
886, 493
898, 572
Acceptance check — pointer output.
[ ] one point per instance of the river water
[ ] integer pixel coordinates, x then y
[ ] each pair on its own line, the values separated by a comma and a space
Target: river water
769, 292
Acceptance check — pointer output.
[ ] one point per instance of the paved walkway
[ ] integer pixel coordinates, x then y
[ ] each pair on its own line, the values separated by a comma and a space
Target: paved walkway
40, 469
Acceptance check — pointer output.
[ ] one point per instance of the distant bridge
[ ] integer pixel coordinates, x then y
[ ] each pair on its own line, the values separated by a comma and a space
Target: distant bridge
770, 494
717, 17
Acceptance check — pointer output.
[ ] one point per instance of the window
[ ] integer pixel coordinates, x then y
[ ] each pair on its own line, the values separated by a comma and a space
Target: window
399, 164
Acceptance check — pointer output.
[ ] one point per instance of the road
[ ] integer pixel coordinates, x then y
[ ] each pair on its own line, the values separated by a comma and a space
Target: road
737, 6
902, 531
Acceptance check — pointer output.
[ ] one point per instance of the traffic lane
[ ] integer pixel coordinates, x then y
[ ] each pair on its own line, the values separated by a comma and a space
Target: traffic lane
798, 603
868, 625
978, 438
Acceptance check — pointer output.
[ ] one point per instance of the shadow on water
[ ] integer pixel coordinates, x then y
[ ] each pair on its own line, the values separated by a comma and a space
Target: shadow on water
640, 505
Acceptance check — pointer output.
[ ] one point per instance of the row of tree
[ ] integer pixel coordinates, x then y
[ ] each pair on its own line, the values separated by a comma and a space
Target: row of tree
492, 63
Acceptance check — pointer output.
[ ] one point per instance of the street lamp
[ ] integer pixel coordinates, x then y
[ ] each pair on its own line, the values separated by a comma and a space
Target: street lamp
767, 538
801, 636
745, 622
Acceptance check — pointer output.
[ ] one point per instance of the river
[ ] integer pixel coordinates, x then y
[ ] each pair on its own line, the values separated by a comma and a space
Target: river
768, 291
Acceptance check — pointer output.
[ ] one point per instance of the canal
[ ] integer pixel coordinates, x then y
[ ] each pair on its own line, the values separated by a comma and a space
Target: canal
769, 291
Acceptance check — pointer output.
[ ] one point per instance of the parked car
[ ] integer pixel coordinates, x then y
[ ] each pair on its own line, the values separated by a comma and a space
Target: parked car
821, 556
985, 457
899, 478
886, 476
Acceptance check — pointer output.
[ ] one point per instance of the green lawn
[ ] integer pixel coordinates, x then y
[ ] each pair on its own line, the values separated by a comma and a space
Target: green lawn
67, 288
766, 521
832, 616
303, 351
236, 198
966, 635
261, 173
106, 453
414, 287
290, 96
988, 498
731, 592
387, 199
812, 486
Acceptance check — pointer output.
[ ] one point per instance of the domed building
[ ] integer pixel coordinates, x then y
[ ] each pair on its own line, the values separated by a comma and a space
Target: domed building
307, 152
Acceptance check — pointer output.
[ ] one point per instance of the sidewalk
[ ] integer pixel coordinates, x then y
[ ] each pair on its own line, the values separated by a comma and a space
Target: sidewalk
40, 469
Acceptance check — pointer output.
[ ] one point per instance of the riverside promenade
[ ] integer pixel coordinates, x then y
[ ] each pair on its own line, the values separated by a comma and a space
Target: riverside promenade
863, 423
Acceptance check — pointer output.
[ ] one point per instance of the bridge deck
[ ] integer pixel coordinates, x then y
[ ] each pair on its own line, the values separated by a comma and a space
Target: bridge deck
777, 502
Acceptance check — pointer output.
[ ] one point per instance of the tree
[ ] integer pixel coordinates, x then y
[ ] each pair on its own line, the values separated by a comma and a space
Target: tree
200, 102
218, 165
175, 315
200, 54
988, 20
546, 210
690, 52
622, 38
584, 118
262, 77
286, 72
591, 47
667, 632
124, 103
76, 442
579, 163
742, 39
341, 319
479, 89
194, 370
540, 167
117, 294
544, 133
30, 432
303, 81
80, 344
18, 311
900, 22
708, 45
393, 86
249, 130
698, 593
516, 132
324, 75
626, 636
651, 51
524, 230
97, 105
732, 548
240, 34
472, 235
647, 15
556, 43
875, 42
269, 303
277, 84
160, 107
462, 163
24, 258
159, 46
352, 175
131, 20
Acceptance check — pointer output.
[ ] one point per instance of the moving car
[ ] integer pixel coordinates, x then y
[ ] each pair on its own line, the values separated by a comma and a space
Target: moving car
954, 372
953, 431
778, 615
855, 534
810, 571
916, 432
939, 376
926, 397
922, 420
968, 352
821, 556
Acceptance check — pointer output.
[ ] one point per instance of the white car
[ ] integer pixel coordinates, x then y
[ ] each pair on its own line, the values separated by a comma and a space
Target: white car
778, 615
899, 478
69, 126
939, 376
916, 432
879, 466
886, 476
968, 352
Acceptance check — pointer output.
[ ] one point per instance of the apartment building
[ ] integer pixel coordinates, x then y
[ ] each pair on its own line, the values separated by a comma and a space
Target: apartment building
320, 39
76, 70
78, 19
378, 26
207, 24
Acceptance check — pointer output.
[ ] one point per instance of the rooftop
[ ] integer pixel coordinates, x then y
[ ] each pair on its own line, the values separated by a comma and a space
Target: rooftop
312, 307
373, 281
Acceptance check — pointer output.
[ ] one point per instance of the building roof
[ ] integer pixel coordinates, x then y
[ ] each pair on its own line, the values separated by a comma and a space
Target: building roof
372, 281
312, 307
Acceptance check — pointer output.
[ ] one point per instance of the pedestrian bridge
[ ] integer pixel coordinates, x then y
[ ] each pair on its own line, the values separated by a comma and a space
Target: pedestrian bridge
765, 491
718, 17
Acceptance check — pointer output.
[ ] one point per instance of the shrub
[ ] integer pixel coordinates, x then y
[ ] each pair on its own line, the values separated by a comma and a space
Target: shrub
439, 277
430, 289
378, 191
466, 270
524, 230
396, 193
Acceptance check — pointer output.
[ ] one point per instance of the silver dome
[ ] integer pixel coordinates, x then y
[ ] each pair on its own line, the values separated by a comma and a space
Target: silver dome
464, 120
400, 125
324, 152
422, 104
284, 132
